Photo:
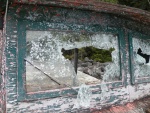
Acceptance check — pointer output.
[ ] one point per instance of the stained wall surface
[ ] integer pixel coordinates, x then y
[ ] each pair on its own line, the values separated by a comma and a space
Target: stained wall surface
2, 80
112, 93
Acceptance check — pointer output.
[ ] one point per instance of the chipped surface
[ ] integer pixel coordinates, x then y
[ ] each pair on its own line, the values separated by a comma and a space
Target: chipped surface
132, 13
2, 79
35, 17
138, 106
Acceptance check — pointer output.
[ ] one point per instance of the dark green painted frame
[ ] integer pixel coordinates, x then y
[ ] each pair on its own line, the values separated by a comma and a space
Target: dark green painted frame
133, 79
24, 25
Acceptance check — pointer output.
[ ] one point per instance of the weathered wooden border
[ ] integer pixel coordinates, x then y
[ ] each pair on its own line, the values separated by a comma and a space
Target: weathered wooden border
118, 95
23, 96
2, 79
120, 10
134, 79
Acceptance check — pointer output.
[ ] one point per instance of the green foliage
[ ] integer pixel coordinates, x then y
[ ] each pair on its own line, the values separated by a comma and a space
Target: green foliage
98, 55
68, 54
69, 57
142, 4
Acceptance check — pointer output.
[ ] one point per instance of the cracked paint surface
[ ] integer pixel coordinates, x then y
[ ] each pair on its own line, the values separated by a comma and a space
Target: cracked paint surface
103, 95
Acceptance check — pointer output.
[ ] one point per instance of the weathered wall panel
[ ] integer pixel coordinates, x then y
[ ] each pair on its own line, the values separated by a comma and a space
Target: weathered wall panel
2, 79
94, 5
112, 96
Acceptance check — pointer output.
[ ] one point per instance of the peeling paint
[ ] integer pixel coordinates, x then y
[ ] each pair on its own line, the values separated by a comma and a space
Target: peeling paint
21, 17
2, 79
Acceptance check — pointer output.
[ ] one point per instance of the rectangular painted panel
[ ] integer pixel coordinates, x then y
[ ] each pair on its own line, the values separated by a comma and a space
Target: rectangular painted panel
141, 55
50, 60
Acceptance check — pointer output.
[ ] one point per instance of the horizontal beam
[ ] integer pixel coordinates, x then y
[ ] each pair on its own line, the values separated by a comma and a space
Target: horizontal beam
120, 10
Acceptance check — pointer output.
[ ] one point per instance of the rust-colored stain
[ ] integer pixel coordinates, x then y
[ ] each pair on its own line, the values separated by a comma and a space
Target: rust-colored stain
138, 106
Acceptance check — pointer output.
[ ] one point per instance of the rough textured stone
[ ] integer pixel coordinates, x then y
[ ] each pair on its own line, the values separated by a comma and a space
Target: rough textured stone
86, 59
